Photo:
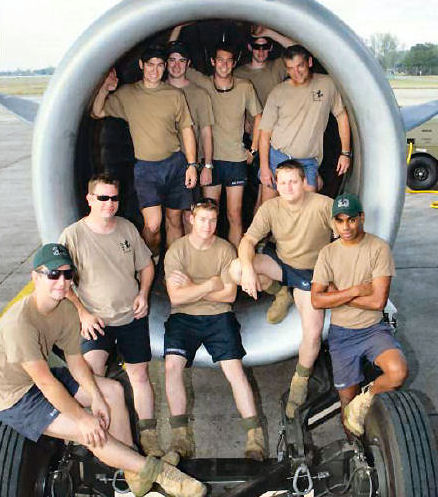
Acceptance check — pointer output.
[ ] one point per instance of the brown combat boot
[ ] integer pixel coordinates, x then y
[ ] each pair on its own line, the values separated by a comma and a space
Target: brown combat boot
177, 483
150, 443
182, 442
255, 444
355, 412
280, 306
297, 394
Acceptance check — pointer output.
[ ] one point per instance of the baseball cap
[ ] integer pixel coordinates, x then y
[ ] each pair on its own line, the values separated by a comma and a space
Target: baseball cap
178, 47
347, 203
153, 51
52, 255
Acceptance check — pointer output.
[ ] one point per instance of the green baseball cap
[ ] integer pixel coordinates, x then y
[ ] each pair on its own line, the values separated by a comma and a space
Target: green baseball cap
53, 256
347, 203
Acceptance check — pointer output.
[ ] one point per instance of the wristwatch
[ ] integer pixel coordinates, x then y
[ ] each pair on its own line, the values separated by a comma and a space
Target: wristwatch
196, 165
347, 153
253, 152
208, 166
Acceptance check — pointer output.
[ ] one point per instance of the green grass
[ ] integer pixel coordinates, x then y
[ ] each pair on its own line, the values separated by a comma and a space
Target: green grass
418, 82
24, 85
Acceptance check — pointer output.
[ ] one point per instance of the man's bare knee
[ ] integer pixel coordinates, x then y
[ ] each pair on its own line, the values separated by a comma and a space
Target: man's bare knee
152, 227
236, 271
173, 368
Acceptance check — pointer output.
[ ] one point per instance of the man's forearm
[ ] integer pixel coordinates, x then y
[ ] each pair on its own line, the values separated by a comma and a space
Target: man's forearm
74, 299
207, 143
146, 278
189, 141
227, 294
369, 303
344, 130
189, 293
331, 300
264, 143
97, 111
81, 372
246, 251
256, 132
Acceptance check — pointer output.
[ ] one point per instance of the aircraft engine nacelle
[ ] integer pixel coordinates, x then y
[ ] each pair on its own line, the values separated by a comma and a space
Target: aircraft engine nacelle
379, 171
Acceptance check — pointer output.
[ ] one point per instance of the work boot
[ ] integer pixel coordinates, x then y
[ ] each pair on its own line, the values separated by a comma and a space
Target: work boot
176, 483
182, 442
172, 458
255, 444
355, 412
297, 394
280, 307
150, 443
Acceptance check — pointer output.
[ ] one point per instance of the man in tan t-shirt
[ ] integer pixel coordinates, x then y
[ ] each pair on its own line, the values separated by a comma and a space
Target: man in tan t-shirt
201, 293
352, 278
300, 223
155, 112
294, 120
36, 399
109, 253
231, 98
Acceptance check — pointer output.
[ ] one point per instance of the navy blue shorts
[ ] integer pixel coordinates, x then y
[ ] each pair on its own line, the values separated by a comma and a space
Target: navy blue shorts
310, 165
229, 173
163, 183
349, 347
295, 278
132, 341
219, 333
33, 413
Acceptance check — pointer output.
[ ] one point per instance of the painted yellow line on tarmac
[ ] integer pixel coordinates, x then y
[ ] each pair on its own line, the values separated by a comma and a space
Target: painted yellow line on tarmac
26, 290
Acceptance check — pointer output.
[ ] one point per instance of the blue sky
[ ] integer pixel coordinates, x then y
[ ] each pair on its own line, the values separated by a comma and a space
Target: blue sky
35, 34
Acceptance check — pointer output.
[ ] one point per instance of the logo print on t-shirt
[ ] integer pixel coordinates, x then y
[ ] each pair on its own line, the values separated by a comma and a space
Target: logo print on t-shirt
126, 246
317, 95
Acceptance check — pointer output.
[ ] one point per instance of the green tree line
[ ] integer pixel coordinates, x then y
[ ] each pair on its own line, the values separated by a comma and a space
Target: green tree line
420, 59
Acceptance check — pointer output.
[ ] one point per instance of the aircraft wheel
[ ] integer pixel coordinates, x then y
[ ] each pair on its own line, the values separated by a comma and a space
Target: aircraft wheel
400, 444
422, 172
25, 465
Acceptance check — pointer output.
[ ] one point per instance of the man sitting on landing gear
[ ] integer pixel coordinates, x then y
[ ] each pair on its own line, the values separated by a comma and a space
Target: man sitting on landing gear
352, 277
300, 222
201, 293
36, 400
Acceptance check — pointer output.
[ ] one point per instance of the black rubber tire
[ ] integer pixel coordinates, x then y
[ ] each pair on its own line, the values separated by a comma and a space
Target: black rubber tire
24, 465
422, 172
398, 426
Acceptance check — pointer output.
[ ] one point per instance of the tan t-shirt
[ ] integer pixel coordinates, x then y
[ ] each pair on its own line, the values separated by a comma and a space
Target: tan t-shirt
265, 78
299, 232
349, 265
201, 111
27, 335
297, 116
107, 264
154, 116
229, 115
200, 265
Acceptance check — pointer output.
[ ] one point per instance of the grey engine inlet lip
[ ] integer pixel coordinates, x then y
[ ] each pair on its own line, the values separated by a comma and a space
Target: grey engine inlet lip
379, 174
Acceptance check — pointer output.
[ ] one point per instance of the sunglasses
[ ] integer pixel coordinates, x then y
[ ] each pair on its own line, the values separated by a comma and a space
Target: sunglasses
105, 198
261, 46
55, 274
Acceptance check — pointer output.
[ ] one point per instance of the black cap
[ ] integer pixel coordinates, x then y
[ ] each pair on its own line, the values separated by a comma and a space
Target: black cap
178, 47
152, 51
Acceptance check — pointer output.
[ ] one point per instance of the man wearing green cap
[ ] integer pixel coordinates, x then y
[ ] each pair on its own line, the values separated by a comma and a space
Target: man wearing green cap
36, 400
352, 277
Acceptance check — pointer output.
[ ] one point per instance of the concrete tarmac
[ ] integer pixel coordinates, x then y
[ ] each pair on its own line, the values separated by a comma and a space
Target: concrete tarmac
216, 421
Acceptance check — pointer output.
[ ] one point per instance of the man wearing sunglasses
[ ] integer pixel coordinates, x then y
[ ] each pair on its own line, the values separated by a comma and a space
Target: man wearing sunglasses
201, 293
110, 255
156, 112
36, 399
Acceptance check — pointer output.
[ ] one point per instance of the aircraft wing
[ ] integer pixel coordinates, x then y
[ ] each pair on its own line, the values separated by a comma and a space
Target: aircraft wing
414, 115
24, 108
